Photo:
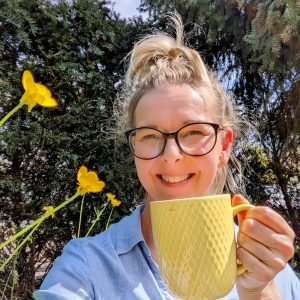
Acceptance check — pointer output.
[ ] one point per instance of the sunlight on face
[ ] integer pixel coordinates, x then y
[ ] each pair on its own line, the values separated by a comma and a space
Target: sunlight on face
174, 174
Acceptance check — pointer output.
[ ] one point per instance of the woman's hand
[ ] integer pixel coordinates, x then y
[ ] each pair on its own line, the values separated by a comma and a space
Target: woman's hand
266, 243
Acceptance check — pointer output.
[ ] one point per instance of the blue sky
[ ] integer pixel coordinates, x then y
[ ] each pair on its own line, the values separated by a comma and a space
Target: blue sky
127, 8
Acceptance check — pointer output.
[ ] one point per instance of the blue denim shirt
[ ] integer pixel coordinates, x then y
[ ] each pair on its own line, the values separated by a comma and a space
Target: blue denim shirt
117, 264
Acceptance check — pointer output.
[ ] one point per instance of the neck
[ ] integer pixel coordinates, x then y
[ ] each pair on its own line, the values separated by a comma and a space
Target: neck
147, 229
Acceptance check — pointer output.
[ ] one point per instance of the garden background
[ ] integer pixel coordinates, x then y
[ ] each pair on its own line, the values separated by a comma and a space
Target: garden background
77, 49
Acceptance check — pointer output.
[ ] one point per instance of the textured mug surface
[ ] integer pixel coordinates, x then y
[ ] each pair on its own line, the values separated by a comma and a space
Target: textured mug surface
195, 244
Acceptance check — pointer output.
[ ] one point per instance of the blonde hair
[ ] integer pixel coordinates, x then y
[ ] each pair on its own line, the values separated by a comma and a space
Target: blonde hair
158, 59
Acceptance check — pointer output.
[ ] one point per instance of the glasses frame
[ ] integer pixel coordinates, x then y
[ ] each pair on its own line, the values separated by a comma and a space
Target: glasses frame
167, 135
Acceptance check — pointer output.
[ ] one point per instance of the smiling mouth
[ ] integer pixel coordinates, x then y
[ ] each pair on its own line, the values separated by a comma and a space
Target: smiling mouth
175, 179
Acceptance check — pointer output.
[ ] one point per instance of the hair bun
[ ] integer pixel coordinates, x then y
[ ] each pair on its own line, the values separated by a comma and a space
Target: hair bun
159, 58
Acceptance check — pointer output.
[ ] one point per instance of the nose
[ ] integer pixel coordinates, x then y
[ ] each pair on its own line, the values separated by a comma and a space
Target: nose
172, 152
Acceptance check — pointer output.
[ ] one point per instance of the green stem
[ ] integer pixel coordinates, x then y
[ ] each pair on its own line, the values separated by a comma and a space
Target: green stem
13, 279
42, 218
80, 216
107, 224
96, 219
11, 113
20, 246
7, 280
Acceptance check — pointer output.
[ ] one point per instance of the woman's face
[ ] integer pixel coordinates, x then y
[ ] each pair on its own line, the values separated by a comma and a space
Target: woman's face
174, 174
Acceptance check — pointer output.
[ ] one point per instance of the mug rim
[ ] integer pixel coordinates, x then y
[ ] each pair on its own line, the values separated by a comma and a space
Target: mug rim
192, 199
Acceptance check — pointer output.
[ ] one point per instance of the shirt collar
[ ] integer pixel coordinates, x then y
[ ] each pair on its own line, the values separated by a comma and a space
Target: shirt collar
129, 232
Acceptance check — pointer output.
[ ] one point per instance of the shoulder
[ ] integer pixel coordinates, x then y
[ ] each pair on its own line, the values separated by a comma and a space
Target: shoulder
119, 237
87, 249
81, 255
69, 276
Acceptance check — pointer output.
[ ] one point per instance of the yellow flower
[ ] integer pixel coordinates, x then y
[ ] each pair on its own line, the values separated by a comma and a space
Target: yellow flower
112, 198
49, 210
88, 181
35, 93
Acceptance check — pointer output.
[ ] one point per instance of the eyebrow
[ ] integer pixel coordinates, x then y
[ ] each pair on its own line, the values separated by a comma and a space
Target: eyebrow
194, 121
187, 122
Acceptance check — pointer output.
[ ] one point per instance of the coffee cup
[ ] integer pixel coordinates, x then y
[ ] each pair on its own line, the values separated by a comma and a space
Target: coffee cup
195, 244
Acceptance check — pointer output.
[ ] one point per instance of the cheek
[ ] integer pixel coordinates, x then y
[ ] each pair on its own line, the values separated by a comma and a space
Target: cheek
143, 170
208, 166
216, 153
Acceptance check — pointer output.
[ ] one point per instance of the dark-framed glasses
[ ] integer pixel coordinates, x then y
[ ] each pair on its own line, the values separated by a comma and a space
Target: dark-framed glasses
195, 139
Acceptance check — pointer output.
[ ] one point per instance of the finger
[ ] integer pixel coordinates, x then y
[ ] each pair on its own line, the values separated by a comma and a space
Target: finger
266, 236
272, 219
264, 214
254, 266
273, 259
237, 200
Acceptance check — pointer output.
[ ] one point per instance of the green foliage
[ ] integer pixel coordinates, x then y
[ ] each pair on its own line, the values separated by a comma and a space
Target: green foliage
275, 34
75, 49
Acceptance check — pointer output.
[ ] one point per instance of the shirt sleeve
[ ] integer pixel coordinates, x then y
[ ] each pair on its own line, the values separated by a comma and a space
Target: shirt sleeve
68, 278
288, 284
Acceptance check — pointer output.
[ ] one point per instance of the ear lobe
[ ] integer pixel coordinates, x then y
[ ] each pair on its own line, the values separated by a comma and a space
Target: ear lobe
222, 162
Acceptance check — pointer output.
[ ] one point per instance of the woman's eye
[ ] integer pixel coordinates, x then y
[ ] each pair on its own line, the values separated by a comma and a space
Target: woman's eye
149, 137
194, 132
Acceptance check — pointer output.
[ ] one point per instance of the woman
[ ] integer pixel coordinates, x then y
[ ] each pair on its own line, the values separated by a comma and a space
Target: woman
172, 103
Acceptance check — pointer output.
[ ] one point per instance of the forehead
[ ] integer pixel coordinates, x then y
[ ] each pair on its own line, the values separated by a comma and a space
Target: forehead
171, 106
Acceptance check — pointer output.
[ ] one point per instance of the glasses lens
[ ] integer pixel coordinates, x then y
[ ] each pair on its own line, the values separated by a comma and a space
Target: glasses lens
197, 139
146, 142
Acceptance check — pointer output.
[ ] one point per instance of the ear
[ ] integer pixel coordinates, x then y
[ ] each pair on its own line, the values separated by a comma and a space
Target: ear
227, 139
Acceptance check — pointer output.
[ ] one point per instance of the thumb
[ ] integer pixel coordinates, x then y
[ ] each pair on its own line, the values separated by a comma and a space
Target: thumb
237, 200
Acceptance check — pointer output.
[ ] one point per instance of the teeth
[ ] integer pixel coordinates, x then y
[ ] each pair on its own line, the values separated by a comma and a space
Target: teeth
175, 179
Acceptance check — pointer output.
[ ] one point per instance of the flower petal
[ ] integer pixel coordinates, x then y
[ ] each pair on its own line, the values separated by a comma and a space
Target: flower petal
42, 89
48, 102
115, 202
98, 186
45, 98
110, 196
88, 181
40, 93
81, 172
27, 80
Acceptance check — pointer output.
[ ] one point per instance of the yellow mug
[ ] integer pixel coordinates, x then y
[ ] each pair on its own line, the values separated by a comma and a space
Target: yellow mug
195, 244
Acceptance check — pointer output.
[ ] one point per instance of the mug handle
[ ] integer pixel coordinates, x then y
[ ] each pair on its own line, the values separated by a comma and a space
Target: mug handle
235, 210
